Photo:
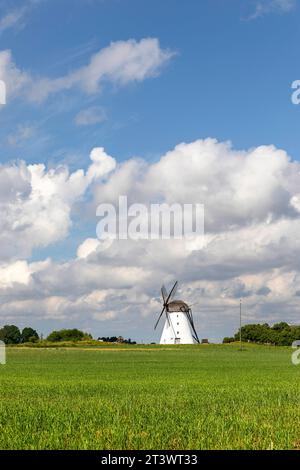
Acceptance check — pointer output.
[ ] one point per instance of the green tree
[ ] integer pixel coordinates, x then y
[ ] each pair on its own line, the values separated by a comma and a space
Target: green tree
10, 334
228, 340
281, 326
29, 335
281, 334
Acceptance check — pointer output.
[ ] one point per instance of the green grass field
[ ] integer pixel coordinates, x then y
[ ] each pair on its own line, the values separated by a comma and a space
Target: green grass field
202, 397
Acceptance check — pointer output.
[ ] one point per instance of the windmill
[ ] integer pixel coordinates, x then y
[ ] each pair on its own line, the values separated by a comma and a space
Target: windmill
179, 326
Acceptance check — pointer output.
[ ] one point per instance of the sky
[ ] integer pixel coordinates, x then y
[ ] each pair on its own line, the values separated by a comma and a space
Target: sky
181, 102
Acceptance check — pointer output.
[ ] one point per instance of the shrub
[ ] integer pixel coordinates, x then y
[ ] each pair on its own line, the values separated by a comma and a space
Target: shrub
228, 339
68, 335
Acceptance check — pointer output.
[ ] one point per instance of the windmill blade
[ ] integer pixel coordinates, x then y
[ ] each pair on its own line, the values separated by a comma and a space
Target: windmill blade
170, 296
167, 315
195, 333
166, 299
196, 339
191, 320
190, 315
193, 325
164, 307
164, 293
195, 336
172, 292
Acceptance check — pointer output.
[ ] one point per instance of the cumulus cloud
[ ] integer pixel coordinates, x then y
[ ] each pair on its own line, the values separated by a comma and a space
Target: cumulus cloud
120, 63
252, 223
238, 188
102, 164
36, 203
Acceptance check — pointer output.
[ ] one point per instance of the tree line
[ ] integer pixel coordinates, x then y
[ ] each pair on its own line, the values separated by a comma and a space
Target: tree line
280, 334
116, 339
11, 334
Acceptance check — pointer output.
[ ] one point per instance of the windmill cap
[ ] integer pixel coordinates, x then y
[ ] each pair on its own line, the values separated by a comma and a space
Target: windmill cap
177, 306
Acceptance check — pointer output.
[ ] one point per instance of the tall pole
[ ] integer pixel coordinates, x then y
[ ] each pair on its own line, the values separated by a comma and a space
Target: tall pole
241, 324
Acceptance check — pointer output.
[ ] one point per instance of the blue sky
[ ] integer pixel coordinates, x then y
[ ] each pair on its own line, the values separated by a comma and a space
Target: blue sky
189, 70
230, 79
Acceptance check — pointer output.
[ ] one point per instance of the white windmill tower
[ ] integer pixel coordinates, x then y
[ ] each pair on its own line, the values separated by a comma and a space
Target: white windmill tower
179, 326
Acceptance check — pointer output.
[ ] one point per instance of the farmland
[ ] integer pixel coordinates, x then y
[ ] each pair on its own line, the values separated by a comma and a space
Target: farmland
148, 397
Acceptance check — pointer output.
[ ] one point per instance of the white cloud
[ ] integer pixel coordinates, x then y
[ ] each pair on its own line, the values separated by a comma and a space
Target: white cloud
36, 203
11, 19
252, 227
265, 7
102, 164
237, 187
120, 63
16, 272
87, 247
16, 18
91, 116
19, 272
15, 79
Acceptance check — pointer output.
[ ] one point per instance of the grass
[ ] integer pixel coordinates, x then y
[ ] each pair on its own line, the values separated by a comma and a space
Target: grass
186, 397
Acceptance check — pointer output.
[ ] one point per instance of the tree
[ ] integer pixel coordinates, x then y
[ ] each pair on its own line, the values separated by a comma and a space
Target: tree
281, 326
228, 340
10, 334
29, 335
281, 334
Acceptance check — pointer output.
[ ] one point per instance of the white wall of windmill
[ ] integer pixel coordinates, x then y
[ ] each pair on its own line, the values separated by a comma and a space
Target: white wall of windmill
178, 331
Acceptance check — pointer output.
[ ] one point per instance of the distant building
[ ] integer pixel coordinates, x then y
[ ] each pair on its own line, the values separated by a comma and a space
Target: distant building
204, 341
